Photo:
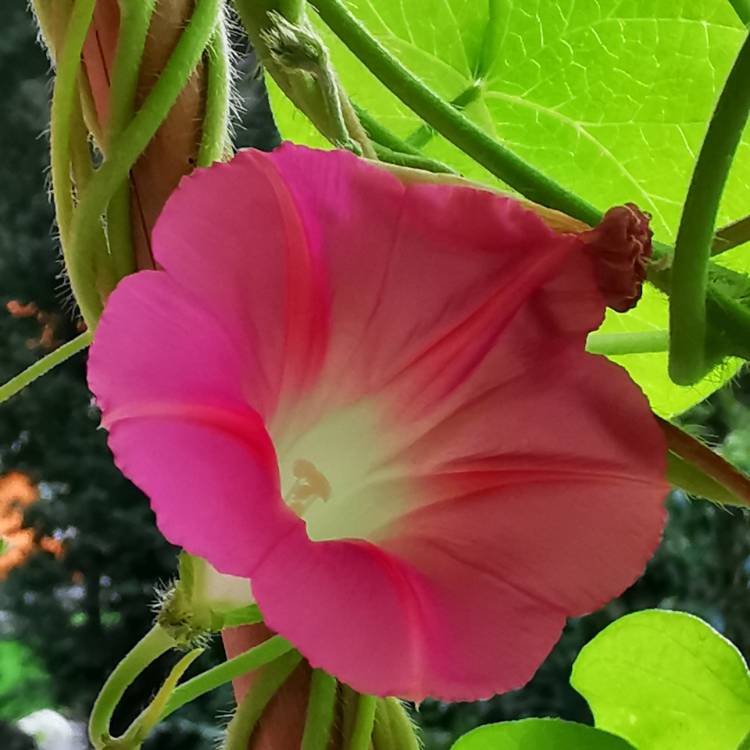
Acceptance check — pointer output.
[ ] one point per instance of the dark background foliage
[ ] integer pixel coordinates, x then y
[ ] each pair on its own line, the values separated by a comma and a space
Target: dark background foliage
66, 622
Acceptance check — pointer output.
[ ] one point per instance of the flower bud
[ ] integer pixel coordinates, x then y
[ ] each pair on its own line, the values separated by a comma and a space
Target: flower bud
174, 149
621, 247
196, 605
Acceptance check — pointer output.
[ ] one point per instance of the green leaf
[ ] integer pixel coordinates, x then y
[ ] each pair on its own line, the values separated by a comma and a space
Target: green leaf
650, 370
24, 685
666, 681
539, 734
610, 99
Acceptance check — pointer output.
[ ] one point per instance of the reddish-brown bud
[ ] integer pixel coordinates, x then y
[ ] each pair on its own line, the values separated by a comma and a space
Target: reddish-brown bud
621, 248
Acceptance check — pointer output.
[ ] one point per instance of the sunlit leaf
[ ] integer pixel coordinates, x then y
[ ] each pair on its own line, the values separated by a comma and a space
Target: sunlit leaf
650, 370
610, 99
540, 734
666, 681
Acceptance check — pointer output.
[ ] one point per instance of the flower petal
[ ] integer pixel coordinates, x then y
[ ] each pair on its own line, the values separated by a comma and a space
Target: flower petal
231, 237
321, 259
439, 332
381, 626
170, 385
422, 273
155, 343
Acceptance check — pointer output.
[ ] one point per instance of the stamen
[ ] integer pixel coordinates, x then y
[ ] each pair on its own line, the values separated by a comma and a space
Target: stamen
310, 486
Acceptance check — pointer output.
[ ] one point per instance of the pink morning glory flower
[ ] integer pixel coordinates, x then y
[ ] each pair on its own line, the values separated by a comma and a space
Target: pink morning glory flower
372, 400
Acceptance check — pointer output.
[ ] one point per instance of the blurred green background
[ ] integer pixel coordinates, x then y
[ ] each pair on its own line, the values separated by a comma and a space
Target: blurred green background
66, 621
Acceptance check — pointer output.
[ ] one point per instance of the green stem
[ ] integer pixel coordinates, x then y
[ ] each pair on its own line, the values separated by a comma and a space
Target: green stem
44, 365
62, 116
63, 110
730, 322
348, 701
401, 726
742, 9
645, 342
728, 319
699, 470
378, 132
409, 160
353, 125
135, 20
155, 643
424, 133
732, 235
687, 308
696, 482
389, 147
242, 726
382, 735
320, 710
256, 657
130, 145
80, 153
152, 714
83, 172
215, 136
364, 722
249, 615
450, 123
139, 730
52, 16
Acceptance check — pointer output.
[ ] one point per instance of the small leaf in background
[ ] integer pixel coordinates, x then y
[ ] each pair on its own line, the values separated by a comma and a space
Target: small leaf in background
666, 681
540, 734
610, 99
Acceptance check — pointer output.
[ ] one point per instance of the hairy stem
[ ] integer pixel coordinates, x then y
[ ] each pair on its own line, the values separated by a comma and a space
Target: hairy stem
687, 308
215, 144
135, 19
130, 145
62, 116
696, 468
402, 728
63, 111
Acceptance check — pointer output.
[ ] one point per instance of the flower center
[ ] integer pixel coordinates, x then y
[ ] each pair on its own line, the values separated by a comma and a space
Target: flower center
332, 472
309, 486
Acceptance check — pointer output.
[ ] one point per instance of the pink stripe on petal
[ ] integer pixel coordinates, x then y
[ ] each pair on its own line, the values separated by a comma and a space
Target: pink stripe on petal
141, 350
231, 237
214, 493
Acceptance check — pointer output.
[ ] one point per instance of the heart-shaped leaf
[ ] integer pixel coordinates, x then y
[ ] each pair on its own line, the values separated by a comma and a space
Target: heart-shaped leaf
666, 681
610, 99
539, 734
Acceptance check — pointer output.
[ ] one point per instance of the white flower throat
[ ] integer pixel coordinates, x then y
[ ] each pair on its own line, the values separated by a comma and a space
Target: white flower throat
329, 473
